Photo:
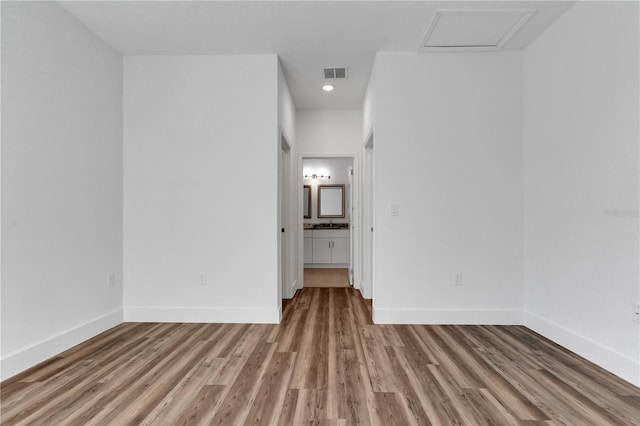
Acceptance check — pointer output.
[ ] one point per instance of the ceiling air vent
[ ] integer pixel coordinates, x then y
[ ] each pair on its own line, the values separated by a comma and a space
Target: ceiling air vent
335, 72
473, 29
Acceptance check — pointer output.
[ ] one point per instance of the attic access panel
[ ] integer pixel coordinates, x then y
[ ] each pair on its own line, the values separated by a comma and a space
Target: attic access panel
473, 29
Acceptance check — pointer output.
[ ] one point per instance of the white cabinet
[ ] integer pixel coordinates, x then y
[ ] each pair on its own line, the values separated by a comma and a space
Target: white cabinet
327, 246
321, 250
308, 246
340, 250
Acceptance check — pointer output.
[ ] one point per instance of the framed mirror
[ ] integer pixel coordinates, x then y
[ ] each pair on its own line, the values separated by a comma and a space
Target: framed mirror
330, 201
306, 200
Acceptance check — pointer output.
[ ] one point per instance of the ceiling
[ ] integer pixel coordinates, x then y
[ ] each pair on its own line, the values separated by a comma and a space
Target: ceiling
306, 35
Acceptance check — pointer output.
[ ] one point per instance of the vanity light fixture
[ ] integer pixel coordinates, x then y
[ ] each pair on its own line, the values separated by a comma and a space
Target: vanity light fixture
315, 176
327, 87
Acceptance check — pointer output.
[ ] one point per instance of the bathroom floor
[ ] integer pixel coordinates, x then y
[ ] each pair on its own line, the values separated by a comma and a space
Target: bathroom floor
326, 278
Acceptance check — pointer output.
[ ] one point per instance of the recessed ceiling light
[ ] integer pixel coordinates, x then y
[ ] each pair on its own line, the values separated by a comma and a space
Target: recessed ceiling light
327, 87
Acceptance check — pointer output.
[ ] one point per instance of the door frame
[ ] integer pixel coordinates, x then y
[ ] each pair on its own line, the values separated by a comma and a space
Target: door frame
368, 218
284, 251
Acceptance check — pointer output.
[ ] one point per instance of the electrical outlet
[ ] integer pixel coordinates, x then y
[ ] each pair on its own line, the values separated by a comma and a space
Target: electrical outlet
203, 279
395, 209
457, 278
636, 313
111, 280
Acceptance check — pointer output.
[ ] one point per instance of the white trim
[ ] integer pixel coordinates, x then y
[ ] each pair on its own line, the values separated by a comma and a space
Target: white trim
283, 257
203, 315
447, 316
327, 265
284, 140
21, 360
607, 358
368, 141
367, 201
291, 290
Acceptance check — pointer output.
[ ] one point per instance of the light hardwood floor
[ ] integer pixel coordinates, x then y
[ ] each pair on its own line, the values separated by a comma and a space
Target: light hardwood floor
326, 277
326, 364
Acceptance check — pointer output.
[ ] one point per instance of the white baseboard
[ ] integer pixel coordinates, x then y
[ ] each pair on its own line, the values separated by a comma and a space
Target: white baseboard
206, 315
26, 358
440, 316
326, 265
615, 362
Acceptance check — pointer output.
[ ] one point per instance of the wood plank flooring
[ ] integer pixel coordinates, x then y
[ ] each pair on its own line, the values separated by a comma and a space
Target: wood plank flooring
326, 363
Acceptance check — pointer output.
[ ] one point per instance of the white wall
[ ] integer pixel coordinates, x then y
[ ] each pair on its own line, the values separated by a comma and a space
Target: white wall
367, 173
61, 184
448, 152
581, 184
369, 103
330, 132
201, 146
286, 107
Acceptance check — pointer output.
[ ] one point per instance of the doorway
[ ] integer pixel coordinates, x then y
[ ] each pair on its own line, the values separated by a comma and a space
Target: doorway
368, 219
283, 216
329, 221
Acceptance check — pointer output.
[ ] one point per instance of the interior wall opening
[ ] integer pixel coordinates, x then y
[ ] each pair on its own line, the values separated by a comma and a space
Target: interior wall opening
327, 222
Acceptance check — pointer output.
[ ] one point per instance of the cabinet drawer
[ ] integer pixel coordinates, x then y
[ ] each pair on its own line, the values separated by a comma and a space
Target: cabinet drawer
330, 233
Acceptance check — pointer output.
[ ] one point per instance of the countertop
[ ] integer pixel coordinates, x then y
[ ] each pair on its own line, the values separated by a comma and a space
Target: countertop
321, 226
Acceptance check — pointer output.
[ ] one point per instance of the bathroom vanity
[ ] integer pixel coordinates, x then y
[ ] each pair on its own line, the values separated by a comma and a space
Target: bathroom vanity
326, 247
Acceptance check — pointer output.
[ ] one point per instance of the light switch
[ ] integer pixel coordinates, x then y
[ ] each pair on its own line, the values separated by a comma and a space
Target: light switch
394, 209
